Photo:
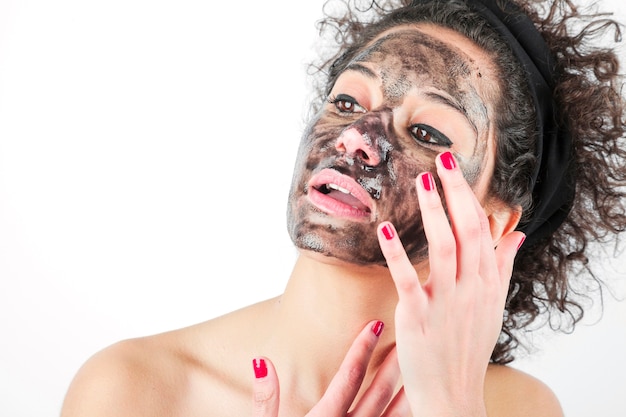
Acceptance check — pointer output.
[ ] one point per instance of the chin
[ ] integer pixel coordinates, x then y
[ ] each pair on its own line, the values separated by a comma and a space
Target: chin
355, 243
338, 255
340, 261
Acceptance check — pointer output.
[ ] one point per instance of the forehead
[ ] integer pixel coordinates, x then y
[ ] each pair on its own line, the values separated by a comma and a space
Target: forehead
410, 48
412, 54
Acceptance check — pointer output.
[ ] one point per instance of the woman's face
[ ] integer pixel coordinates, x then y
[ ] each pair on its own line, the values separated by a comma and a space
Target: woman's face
413, 92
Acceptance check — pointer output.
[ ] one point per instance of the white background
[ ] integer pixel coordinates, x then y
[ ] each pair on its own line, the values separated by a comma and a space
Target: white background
146, 150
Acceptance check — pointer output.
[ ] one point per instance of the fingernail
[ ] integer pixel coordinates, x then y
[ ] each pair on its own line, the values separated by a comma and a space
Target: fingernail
388, 232
377, 328
448, 160
521, 242
427, 181
260, 368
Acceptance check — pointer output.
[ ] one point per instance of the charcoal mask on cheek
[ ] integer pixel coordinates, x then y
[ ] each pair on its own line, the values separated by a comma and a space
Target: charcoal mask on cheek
386, 171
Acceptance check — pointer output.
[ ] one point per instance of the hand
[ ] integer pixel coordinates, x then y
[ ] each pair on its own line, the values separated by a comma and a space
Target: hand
447, 327
339, 397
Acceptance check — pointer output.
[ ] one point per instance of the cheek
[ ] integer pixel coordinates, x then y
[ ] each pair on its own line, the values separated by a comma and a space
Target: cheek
314, 146
319, 139
477, 171
400, 204
407, 161
401, 196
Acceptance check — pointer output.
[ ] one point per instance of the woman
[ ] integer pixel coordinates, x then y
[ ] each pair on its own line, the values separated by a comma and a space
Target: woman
447, 129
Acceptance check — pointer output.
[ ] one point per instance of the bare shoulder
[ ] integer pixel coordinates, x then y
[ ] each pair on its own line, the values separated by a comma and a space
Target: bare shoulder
127, 378
199, 370
511, 392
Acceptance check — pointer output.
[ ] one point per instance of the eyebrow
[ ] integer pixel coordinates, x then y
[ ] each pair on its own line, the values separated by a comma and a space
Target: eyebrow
456, 106
362, 69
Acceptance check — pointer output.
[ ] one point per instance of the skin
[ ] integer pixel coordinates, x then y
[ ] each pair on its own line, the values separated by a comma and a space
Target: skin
441, 315
409, 96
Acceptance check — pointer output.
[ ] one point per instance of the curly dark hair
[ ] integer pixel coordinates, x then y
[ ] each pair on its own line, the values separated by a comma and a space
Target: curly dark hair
552, 274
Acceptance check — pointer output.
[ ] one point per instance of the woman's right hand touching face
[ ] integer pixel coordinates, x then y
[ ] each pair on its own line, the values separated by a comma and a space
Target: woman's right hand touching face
447, 326
338, 400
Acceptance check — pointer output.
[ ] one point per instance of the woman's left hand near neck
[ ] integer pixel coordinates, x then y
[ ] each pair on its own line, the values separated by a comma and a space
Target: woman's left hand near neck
340, 396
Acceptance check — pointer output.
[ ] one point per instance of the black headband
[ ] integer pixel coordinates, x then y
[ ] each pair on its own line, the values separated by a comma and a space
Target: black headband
553, 184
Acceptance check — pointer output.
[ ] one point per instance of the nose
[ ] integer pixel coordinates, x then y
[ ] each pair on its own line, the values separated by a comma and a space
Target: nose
355, 144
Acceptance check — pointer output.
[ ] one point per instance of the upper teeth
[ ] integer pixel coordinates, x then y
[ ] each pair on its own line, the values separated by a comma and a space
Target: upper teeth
338, 188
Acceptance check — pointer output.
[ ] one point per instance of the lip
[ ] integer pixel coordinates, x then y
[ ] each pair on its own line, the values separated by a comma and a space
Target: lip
363, 202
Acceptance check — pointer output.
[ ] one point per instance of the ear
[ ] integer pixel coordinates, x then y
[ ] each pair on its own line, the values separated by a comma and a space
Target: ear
502, 220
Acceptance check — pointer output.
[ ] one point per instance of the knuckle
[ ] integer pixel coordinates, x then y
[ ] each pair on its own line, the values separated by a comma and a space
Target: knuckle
444, 248
484, 222
354, 376
472, 230
457, 183
395, 256
264, 397
433, 204
407, 284
382, 395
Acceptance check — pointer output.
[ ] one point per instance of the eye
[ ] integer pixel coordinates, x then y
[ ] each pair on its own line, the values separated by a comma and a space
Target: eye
346, 104
429, 134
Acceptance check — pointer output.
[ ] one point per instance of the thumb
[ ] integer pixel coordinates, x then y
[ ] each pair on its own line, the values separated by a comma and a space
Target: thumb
265, 388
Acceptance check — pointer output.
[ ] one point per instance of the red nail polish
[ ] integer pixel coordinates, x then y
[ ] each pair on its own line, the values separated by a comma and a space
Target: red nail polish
388, 232
377, 328
448, 160
427, 181
260, 368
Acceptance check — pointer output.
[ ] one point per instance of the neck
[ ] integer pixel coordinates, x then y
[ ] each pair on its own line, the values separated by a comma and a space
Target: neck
324, 306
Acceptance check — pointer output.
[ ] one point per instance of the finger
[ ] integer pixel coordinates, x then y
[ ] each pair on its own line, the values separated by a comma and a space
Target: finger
465, 222
441, 242
402, 271
380, 392
487, 266
399, 406
344, 386
265, 388
505, 256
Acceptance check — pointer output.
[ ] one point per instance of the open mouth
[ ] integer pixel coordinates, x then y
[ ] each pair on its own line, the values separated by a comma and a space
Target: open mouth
339, 195
343, 195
